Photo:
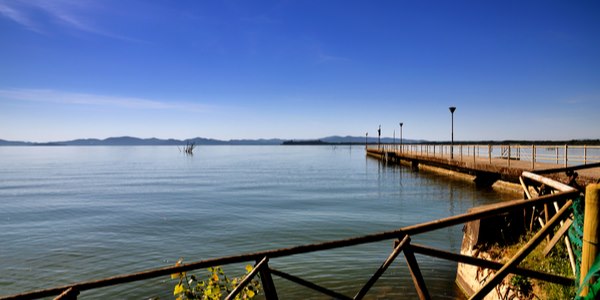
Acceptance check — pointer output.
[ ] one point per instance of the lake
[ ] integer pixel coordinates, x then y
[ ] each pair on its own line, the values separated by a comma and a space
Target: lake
70, 214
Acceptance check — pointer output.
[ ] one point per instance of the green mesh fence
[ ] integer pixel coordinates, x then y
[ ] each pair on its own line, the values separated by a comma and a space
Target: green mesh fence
576, 232
576, 237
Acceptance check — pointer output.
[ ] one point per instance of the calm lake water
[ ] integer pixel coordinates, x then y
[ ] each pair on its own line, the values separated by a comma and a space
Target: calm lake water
71, 214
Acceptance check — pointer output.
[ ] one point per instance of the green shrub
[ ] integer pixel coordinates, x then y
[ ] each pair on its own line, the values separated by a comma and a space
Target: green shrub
214, 286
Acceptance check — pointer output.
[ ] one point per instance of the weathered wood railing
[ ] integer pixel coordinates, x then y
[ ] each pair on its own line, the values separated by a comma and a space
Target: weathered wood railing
403, 245
565, 155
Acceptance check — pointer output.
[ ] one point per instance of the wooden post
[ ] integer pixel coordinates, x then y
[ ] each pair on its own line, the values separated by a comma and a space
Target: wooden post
509, 155
267, 282
490, 153
415, 273
473, 155
557, 155
386, 264
566, 156
591, 232
585, 154
569, 247
533, 157
461, 152
546, 217
268, 287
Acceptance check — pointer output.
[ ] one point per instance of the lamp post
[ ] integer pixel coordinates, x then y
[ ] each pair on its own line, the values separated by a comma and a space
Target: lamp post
379, 137
401, 136
452, 109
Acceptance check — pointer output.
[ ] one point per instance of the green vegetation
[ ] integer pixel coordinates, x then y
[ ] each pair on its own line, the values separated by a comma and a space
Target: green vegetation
522, 285
557, 262
214, 286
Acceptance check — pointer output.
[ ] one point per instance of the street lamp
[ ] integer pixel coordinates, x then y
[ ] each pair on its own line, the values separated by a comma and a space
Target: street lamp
401, 136
379, 137
452, 109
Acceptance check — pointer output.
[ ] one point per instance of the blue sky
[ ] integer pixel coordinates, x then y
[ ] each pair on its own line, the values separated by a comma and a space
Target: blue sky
299, 69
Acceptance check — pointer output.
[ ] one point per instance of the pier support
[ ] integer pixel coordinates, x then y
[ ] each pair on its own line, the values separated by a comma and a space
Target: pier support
486, 179
414, 164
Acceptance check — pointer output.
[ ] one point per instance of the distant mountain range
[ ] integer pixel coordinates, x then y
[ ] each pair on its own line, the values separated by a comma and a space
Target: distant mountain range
134, 141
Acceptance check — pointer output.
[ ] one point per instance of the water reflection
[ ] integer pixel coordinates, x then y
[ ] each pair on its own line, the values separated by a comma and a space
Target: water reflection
423, 196
126, 209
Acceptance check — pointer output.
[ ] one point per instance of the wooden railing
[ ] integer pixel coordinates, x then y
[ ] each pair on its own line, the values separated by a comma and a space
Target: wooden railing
561, 155
403, 245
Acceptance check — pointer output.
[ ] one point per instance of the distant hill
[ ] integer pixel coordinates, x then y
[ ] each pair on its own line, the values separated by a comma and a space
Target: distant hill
256, 142
13, 143
361, 140
346, 140
305, 143
134, 141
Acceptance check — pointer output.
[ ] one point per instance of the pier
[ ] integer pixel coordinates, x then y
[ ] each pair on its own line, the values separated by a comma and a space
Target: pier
490, 163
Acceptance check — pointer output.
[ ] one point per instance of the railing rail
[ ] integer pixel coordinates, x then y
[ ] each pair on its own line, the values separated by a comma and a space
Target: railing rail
564, 155
402, 237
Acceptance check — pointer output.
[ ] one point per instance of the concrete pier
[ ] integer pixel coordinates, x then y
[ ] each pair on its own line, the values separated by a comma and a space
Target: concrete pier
485, 169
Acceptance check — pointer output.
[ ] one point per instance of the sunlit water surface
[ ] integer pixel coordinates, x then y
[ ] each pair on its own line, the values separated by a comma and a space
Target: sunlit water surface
70, 214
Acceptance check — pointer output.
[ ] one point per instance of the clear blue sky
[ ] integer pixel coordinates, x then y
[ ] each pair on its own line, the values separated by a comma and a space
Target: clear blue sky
299, 69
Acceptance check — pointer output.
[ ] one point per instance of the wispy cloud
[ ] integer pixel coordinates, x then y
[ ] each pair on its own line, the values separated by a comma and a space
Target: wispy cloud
263, 19
75, 15
16, 14
70, 98
573, 101
581, 99
323, 57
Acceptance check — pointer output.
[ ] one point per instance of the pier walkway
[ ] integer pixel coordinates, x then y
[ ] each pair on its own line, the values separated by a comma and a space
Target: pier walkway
489, 163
